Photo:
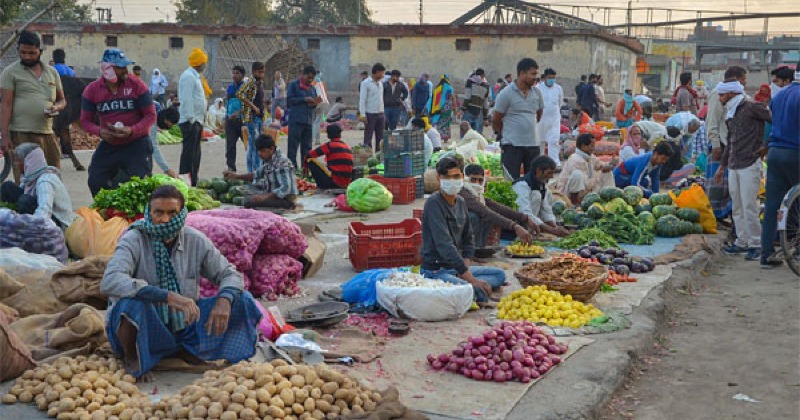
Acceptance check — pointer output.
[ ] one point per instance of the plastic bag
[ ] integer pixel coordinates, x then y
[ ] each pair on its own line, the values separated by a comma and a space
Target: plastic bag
366, 195
341, 203
361, 288
695, 198
16, 261
425, 304
34, 234
90, 235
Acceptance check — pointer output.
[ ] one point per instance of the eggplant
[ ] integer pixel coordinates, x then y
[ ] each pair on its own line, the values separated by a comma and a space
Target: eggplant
649, 263
618, 261
622, 270
585, 253
611, 251
595, 249
638, 267
622, 253
583, 247
594, 243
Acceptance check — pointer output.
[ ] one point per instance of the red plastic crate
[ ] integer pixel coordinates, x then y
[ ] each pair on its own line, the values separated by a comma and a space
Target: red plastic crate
417, 213
385, 245
404, 190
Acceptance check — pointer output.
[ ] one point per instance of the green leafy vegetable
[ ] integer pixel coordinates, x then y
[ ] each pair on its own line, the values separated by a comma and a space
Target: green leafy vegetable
502, 192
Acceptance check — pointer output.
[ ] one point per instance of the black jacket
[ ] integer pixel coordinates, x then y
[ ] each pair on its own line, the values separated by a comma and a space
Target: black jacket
394, 99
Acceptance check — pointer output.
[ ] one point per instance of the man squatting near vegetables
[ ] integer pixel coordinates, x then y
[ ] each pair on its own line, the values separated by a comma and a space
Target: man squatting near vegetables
644, 171
273, 184
152, 285
447, 239
337, 171
583, 172
534, 200
485, 213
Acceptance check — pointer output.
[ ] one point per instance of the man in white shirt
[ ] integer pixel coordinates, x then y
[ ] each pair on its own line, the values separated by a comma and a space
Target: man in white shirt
158, 85
550, 125
192, 91
370, 105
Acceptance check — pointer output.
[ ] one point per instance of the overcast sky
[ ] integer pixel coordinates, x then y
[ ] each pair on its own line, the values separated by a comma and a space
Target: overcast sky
445, 11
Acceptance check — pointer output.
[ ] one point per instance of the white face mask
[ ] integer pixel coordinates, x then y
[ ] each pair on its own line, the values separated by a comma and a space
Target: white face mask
774, 89
451, 186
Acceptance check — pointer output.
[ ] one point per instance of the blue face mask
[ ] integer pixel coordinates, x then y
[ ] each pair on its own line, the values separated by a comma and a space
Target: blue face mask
550, 82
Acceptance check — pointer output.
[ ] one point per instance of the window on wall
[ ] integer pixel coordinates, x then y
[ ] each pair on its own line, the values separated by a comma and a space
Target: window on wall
384, 44
48, 39
176, 42
111, 41
463, 44
313, 44
544, 44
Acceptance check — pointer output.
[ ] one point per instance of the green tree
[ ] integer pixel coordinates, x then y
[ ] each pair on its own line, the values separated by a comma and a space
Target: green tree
223, 12
321, 12
65, 11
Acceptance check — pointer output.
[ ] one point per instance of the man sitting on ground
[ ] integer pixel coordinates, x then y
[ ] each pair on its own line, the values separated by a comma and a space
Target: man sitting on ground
273, 184
447, 238
337, 171
152, 283
468, 135
485, 213
644, 170
535, 200
583, 172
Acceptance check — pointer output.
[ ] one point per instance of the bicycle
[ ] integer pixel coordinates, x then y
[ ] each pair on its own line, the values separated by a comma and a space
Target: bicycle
789, 228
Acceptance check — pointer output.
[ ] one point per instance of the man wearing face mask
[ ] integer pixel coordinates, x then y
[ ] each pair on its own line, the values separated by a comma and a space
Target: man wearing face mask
447, 239
125, 113
742, 156
535, 200
31, 96
781, 77
485, 213
550, 125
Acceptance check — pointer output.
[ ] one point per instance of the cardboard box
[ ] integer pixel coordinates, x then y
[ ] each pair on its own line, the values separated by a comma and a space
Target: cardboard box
314, 256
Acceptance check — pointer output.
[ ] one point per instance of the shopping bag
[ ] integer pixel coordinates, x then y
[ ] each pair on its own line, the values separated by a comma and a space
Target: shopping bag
90, 235
695, 198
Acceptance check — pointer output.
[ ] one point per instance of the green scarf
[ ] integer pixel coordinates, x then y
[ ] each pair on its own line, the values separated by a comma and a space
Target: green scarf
167, 279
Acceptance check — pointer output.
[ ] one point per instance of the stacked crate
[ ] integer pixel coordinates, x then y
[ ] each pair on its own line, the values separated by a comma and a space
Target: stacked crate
404, 158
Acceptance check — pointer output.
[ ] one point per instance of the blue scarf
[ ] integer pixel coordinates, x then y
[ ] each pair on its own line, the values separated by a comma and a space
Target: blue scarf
167, 279
628, 98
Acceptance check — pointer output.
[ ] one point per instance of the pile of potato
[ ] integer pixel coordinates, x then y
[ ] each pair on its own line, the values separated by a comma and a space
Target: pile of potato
82, 388
269, 390
82, 140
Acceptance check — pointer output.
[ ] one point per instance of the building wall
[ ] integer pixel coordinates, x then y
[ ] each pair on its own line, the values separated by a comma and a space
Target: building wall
84, 51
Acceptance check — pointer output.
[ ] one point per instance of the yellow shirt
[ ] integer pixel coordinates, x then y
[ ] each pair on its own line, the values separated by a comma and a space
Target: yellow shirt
31, 96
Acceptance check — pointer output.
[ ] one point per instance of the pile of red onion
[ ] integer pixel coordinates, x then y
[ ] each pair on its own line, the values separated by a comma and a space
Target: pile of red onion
511, 351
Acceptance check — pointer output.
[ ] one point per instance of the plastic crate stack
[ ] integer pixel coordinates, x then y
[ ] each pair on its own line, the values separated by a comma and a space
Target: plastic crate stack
404, 158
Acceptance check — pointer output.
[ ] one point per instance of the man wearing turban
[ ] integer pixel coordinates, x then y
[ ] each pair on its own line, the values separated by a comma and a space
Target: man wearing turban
193, 92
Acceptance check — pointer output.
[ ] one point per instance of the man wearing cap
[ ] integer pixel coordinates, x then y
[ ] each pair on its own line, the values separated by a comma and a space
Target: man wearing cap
193, 91
31, 96
742, 157
125, 112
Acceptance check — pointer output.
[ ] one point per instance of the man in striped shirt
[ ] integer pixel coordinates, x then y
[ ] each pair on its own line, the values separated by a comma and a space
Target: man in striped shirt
338, 168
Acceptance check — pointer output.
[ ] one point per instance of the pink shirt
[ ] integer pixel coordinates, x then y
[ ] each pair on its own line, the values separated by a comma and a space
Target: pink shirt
131, 106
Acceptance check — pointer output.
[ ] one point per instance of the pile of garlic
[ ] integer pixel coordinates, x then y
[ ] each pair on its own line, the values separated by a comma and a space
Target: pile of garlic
408, 279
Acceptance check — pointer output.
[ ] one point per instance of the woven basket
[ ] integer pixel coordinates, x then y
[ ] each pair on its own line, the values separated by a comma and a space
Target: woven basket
579, 290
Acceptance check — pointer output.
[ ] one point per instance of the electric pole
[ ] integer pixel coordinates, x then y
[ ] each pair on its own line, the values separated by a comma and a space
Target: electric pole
629, 16
420, 12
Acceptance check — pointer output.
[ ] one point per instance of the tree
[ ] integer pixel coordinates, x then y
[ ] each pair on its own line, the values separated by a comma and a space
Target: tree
223, 12
321, 12
65, 11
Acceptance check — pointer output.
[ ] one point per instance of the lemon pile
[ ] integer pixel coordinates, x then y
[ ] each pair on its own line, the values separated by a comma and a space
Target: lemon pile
537, 304
527, 250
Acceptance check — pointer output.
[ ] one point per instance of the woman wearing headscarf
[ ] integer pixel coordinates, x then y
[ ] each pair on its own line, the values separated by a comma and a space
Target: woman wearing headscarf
628, 111
443, 103
158, 85
215, 117
41, 191
635, 144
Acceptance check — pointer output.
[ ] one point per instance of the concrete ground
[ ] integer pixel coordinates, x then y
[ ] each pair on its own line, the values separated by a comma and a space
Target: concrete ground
716, 322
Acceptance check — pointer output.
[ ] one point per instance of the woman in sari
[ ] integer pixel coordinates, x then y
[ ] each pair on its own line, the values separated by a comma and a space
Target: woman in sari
443, 103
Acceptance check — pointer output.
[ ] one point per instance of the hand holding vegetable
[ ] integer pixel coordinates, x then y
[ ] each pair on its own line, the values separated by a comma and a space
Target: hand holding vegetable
218, 320
534, 227
522, 234
186, 305
171, 173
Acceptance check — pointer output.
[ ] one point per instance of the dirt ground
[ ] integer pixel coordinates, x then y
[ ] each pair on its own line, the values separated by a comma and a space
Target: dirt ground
732, 331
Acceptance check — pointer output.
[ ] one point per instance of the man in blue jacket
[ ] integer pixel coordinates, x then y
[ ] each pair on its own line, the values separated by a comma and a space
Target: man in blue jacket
783, 160
301, 99
643, 171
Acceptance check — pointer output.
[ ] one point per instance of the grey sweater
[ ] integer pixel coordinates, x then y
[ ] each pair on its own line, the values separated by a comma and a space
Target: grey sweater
447, 237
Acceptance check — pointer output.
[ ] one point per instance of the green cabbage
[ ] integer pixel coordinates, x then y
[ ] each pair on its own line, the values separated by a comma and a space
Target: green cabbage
366, 195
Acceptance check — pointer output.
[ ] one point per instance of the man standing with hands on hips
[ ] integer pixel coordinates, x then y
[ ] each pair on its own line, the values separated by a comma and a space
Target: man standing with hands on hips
517, 111
193, 90
125, 112
31, 96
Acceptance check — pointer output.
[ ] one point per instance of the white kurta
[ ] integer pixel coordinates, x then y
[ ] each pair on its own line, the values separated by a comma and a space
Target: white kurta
550, 125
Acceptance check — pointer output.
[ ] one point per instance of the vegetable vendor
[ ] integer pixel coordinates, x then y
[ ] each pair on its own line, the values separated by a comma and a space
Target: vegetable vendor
447, 239
337, 171
627, 111
643, 171
152, 283
635, 144
535, 200
583, 172
273, 184
485, 213
468, 136
41, 191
